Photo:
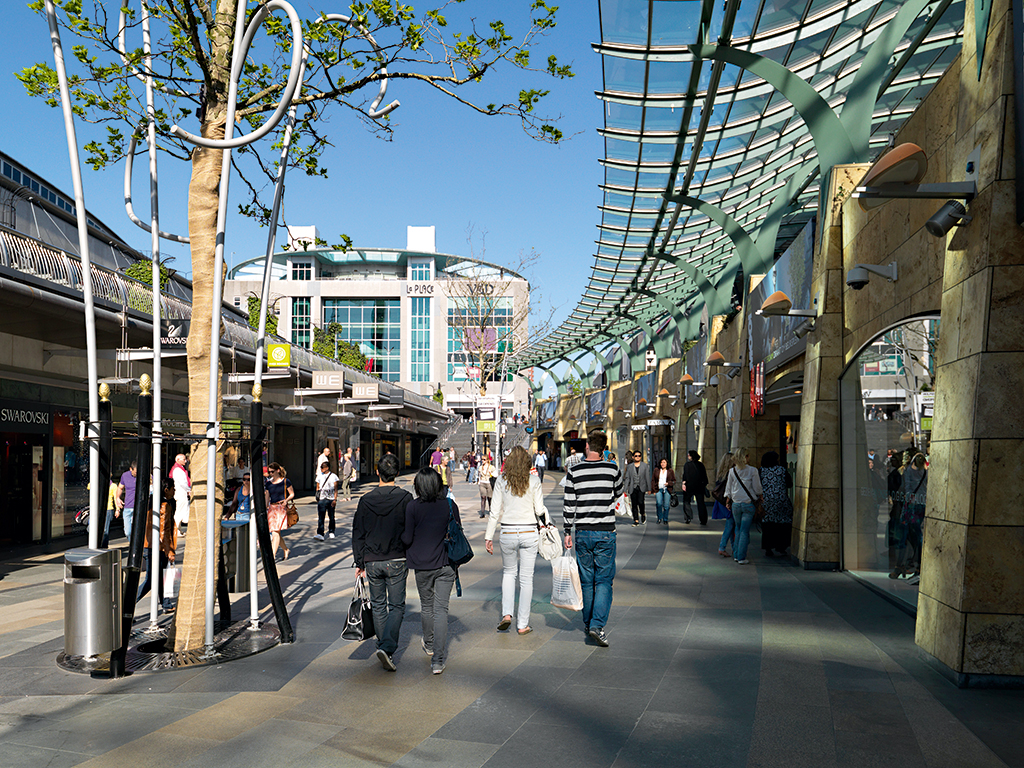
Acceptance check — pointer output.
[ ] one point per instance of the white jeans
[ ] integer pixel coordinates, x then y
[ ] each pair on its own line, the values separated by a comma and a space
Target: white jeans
181, 508
518, 552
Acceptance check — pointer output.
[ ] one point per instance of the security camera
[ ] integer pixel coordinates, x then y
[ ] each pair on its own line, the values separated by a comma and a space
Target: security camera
732, 373
948, 216
857, 278
860, 275
713, 381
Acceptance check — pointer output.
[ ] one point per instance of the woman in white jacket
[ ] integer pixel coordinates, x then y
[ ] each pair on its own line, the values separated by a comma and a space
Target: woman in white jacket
743, 489
518, 507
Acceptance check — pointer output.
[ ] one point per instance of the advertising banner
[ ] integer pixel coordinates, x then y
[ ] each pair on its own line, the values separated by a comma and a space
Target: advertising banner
643, 389
546, 414
596, 404
771, 339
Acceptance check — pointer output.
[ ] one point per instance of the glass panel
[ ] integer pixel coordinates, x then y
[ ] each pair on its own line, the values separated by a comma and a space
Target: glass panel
886, 402
624, 21
624, 74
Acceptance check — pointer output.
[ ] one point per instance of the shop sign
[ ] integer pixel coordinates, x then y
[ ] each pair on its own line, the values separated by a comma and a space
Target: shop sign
757, 390
365, 391
659, 422
419, 289
637, 427
174, 333
334, 380
24, 418
397, 396
486, 425
279, 355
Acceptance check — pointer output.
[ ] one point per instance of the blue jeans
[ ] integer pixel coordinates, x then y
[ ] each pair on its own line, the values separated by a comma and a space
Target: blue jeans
518, 553
386, 579
743, 516
435, 588
663, 504
127, 514
595, 556
728, 535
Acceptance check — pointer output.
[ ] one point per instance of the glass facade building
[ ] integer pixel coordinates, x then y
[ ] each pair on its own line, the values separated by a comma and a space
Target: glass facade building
419, 348
374, 325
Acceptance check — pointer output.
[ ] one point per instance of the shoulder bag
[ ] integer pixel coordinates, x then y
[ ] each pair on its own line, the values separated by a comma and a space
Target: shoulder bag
758, 511
549, 541
457, 546
292, 512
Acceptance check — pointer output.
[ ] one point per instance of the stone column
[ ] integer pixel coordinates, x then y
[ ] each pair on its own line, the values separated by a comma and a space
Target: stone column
971, 604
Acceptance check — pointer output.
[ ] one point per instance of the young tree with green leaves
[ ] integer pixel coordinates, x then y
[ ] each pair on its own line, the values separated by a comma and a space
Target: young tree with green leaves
191, 65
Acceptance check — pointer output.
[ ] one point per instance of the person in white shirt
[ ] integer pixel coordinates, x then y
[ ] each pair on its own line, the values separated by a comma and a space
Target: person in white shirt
518, 506
182, 490
324, 455
743, 489
540, 462
326, 499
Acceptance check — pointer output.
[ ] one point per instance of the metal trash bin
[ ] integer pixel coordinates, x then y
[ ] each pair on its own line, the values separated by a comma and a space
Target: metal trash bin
236, 554
92, 601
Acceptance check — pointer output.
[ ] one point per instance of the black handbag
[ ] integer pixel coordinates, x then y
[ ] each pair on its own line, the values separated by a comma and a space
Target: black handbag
673, 500
359, 623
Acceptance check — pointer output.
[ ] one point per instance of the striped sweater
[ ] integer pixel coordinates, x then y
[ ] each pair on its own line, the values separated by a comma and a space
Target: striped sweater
591, 488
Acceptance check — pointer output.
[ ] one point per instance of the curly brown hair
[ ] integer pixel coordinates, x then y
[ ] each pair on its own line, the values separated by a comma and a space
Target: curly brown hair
517, 471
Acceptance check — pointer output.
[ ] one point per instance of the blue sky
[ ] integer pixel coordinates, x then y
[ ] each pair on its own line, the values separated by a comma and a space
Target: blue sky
447, 166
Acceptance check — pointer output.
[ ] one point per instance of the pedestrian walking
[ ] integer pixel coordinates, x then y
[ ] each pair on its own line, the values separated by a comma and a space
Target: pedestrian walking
914, 492
426, 528
182, 491
486, 473
777, 523
637, 479
324, 455
242, 502
662, 483
168, 546
279, 492
695, 485
379, 552
518, 507
591, 488
743, 489
124, 501
326, 500
572, 458
347, 470
720, 511
540, 462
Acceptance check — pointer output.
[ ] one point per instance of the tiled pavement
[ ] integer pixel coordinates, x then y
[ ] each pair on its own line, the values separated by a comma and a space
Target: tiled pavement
710, 664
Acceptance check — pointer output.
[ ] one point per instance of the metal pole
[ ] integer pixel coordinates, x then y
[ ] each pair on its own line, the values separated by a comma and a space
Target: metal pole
105, 444
258, 518
154, 555
137, 535
83, 250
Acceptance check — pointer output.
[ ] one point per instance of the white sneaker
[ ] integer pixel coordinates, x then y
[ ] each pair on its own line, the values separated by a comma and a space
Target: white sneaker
319, 537
743, 562
330, 535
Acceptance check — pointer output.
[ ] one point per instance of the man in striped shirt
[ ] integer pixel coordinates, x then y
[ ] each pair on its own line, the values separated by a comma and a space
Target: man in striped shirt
591, 487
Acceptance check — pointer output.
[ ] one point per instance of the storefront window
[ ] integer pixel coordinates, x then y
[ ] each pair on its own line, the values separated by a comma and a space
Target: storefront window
886, 415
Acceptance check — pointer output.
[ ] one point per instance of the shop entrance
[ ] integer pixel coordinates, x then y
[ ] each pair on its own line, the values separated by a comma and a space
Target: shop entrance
22, 476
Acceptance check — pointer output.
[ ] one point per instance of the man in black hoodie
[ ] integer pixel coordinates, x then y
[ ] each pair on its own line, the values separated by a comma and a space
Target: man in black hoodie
378, 552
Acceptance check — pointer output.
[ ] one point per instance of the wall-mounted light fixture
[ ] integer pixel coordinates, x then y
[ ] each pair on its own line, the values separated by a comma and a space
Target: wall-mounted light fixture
780, 305
897, 175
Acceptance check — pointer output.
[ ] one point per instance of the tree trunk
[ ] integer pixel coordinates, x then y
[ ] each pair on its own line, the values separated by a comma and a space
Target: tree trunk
204, 190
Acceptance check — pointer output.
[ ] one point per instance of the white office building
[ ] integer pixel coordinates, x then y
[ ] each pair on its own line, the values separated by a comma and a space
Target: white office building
406, 309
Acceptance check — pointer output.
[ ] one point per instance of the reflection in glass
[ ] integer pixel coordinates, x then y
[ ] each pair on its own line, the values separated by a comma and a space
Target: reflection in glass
886, 402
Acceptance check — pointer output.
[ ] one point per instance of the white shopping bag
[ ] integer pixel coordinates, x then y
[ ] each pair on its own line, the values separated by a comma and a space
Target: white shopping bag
172, 580
566, 590
623, 507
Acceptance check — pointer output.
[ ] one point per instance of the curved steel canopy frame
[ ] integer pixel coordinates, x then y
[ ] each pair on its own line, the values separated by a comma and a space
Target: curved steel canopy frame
719, 121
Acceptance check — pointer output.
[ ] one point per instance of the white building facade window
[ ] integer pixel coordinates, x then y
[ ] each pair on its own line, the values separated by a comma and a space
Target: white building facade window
302, 325
419, 347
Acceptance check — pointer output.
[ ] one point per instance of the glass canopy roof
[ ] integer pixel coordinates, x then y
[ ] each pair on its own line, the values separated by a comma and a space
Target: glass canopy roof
720, 117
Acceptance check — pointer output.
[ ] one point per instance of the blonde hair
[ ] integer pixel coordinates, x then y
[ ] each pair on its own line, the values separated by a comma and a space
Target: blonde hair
724, 466
517, 471
740, 457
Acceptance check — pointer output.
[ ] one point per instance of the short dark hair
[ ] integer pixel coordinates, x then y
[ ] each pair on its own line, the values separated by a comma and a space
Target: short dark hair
387, 467
597, 440
770, 459
694, 456
427, 484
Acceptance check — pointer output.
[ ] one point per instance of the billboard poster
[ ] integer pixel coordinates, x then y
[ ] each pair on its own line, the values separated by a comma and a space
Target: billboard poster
771, 339
596, 405
546, 414
694, 365
643, 389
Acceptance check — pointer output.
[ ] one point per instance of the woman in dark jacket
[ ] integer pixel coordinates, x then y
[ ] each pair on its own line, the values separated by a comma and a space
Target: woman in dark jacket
662, 481
426, 526
777, 523
695, 486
